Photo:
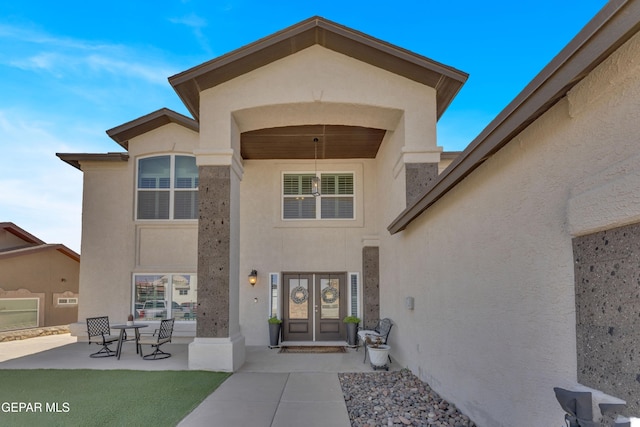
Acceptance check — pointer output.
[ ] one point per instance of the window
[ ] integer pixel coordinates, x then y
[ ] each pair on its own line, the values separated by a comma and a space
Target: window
354, 295
162, 296
67, 301
18, 313
274, 295
335, 202
167, 187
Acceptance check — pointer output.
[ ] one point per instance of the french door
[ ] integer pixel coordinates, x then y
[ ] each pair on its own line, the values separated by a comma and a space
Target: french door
314, 306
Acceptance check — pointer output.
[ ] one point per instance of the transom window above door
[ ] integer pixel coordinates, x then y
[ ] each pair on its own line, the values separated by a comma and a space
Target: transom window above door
336, 200
167, 188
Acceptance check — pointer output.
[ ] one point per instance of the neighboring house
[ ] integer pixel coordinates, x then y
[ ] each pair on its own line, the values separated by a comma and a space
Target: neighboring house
39, 281
521, 276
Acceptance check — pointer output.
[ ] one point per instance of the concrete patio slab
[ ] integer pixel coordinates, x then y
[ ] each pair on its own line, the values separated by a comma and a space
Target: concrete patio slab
271, 389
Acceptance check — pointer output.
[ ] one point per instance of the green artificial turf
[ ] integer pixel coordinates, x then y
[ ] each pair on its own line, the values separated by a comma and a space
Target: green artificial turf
82, 397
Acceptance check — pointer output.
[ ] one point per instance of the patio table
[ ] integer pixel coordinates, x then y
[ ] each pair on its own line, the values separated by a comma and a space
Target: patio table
121, 338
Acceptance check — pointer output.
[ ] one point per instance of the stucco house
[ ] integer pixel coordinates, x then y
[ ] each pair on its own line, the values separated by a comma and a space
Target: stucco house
508, 272
38, 281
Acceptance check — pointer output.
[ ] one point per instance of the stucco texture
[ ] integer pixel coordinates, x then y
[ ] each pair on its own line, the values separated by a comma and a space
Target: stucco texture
491, 264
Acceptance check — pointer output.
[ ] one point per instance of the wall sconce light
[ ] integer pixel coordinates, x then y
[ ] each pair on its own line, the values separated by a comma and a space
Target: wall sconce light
253, 277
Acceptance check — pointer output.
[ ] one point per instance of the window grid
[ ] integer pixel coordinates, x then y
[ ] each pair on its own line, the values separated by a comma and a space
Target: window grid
336, 201
167, 188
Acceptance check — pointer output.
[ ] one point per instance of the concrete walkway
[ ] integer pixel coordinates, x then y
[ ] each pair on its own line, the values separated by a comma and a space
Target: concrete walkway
274, 400
271, 389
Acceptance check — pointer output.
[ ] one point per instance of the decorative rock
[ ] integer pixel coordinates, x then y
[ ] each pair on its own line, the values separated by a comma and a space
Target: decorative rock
396, 399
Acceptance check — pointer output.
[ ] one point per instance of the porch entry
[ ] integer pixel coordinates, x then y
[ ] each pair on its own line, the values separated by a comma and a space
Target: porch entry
314, 305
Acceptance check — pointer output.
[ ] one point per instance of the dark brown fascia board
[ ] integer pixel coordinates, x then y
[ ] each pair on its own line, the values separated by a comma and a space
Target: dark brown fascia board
20, 232
616, 23
74, 159
446, 155
123, 133
316, 30
40, 248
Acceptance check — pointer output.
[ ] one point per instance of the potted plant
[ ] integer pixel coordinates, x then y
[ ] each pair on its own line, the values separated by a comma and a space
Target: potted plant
378, 352
352, 323
274, 331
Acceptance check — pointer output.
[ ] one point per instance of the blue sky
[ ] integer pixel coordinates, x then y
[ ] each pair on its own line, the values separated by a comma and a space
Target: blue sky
70, 70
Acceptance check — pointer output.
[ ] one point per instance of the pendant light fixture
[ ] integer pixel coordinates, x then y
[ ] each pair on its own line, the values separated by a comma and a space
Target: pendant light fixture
315, 181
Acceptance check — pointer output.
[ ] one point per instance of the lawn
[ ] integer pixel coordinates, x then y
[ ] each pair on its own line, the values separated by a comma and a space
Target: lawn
82, 397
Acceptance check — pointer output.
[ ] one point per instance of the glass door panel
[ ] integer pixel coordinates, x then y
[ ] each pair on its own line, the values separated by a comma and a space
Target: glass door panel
297, 321
330, 299
330, 304
298, 299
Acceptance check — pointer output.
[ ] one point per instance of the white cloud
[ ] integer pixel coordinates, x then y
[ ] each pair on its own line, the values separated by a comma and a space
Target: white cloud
196, 23
67, 57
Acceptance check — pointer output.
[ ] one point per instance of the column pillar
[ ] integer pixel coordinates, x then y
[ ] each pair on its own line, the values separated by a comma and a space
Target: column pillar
419, 176
370, 286
218, 345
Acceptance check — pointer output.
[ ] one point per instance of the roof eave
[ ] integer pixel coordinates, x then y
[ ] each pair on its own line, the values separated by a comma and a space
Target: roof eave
446, 80
75, 159
618, 21
123, 133
20, 232
40, 248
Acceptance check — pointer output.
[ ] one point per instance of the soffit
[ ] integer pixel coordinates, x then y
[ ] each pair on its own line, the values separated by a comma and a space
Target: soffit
75, 159
297, 142
446, 80
123, 133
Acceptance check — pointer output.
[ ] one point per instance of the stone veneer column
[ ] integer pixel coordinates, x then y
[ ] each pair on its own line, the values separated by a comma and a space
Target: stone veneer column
215, 346
419, 176
370, 286
607, 285
214, 239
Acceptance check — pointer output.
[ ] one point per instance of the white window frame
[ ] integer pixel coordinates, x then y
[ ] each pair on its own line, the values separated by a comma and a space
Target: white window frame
358, 308
168, 292
67, 301
172, 189
36, 310
318, 199
274, 283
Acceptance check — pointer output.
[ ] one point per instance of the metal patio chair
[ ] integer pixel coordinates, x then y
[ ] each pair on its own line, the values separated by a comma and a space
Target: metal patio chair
100, 333
159, 337
379, 333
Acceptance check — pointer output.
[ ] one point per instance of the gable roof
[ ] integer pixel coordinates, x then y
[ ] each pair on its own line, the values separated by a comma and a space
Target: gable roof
33, 244
615, 24
446, 80
123, 133
20, 233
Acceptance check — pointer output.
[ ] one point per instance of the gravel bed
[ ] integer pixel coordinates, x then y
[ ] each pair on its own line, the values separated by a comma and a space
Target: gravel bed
23, 334
377, 399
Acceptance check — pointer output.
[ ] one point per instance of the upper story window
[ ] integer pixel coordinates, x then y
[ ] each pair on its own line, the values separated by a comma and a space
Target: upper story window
167, 187
335, 202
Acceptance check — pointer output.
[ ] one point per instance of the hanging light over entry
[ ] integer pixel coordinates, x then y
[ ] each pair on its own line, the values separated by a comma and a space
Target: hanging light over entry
315, 181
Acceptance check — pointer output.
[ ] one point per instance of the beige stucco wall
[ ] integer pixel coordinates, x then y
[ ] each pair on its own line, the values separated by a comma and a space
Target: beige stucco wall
314, 86
271, 245
115, 245
8, 240
318, 86
490, 265
46, 273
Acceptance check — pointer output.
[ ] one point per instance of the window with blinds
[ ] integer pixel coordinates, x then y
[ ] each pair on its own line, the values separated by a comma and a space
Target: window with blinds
167, 187
354, 295
335, 202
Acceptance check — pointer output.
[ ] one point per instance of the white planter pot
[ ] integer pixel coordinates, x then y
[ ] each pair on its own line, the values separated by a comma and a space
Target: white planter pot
379, 356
